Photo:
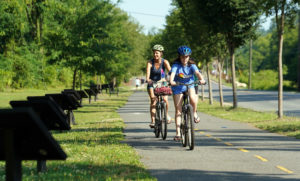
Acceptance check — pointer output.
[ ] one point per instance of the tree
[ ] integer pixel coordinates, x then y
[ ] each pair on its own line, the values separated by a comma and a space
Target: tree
282, 9
77, 34
34, 12
234, 19
250, 64
12, 27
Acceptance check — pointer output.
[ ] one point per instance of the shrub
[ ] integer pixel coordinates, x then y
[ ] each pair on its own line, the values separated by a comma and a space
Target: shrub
262, 80
64, 75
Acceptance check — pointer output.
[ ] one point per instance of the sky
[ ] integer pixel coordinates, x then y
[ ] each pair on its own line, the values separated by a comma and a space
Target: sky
151, 13
148, 13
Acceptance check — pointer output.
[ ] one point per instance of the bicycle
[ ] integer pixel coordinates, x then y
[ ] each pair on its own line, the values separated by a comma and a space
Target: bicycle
187, 119
160, 126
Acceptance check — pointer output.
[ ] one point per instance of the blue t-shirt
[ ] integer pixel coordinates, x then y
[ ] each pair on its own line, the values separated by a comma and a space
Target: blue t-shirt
183, 74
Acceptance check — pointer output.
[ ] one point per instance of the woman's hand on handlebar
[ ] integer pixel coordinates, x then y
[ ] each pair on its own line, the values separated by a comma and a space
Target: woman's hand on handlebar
172, 83
149, 82
202, 82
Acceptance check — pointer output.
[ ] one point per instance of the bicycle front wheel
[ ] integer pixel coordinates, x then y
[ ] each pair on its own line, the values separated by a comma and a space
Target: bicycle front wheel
183, 130
190, 127
164, 126
157, 126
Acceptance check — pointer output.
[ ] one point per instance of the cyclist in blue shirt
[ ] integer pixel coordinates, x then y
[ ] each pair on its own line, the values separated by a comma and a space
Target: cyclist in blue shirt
156, 69
183, 71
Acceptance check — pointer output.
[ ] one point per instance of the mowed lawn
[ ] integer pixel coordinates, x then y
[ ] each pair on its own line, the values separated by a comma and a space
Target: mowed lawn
289, 126
94, 146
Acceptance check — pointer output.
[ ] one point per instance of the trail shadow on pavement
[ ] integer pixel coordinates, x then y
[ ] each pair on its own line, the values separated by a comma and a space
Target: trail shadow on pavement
187, 175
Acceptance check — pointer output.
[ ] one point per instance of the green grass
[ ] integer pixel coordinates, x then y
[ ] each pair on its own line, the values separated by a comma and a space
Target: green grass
94, 146
22, 94
289, 126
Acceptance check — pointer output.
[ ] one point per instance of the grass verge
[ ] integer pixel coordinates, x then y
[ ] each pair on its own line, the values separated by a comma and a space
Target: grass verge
289, 126
93, 146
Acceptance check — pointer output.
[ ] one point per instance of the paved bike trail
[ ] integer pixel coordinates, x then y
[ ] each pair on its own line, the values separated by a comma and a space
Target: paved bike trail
224, 150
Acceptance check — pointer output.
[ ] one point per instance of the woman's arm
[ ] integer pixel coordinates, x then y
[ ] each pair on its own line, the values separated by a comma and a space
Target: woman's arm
172, 82
200, 77
167, 65
149, 65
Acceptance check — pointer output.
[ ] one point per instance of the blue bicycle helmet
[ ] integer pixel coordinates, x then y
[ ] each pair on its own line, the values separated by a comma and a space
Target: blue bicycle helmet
184, 50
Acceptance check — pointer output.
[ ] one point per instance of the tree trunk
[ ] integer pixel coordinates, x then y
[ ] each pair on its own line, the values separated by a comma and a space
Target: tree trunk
202, 92
74, 78
80, 80
202, 87
209, 84
227, 69
250, 65
220, 68
41, 28
232, 58
298, 71
280, 47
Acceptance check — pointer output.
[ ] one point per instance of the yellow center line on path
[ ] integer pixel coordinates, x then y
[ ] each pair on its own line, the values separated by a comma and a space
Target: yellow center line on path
261, 158
228, 144
243, 150
284, 169
218, 139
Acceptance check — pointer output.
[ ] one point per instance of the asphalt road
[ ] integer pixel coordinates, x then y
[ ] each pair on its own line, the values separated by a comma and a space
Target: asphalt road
260, 100
224, 150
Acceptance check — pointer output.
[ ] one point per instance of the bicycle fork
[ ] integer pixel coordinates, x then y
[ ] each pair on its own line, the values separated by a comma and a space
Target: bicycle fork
157, 115
184, 112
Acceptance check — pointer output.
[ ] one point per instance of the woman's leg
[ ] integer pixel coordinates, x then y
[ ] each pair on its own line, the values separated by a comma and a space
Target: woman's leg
178, 98
152, 104
193, 100
167, 107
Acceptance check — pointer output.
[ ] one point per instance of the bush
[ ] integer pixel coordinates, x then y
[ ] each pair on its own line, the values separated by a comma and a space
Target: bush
266, 80
22, 71
50, 74
262, 80
65, 76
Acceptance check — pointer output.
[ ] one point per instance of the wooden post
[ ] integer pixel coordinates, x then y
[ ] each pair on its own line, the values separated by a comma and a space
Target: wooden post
13, 166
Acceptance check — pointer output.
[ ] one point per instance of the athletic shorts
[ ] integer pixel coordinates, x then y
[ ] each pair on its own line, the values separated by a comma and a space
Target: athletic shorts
179, 89
149, 86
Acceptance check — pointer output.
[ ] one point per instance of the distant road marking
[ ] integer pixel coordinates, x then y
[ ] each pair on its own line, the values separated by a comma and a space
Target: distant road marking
284, 169
261, 158
243, 150
229, 144
196, 129
218, 139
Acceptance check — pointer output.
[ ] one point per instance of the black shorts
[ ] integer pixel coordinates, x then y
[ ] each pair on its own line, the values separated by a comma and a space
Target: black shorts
196, 89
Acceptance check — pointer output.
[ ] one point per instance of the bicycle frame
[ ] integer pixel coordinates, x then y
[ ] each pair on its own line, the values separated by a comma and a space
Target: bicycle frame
187, 121
186, 101
160, 117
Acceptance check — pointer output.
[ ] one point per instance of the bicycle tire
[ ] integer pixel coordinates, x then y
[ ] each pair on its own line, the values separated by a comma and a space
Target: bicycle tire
157, 123
163, 121
183, 131
190, 127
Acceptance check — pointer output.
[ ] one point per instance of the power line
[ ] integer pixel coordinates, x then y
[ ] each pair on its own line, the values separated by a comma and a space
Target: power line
146, 14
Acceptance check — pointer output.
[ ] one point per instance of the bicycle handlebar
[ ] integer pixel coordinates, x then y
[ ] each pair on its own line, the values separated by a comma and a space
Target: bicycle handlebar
197, 82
